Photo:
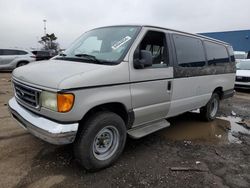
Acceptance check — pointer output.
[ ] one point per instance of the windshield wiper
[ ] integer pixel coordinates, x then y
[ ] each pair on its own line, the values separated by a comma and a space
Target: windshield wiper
85, 57
89, 57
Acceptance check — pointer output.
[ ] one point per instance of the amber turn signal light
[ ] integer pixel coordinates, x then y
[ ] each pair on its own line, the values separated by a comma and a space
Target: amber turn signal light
65, 102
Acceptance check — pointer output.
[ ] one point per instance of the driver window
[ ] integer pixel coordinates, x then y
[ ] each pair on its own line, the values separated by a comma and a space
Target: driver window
155, 42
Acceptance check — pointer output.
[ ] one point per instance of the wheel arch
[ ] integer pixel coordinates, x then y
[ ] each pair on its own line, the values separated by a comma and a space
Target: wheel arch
22, 61
219, 91
115, 107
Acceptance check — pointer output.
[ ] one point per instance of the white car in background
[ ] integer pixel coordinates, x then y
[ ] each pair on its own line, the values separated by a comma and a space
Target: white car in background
240, 55
243, 74
12, 58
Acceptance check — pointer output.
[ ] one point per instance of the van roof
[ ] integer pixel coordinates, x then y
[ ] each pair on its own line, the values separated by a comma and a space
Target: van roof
174, 30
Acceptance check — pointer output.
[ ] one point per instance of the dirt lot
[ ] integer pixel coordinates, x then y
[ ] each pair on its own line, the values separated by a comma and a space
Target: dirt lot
190, 153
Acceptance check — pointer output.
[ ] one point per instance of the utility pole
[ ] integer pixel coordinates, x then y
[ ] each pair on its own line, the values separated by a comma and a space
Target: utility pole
44, 21
44, 27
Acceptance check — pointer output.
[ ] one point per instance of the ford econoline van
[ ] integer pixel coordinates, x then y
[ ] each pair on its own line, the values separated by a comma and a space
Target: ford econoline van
121, 81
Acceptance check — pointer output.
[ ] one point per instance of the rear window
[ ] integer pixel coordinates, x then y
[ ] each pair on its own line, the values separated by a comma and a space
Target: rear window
189, 51
42, 53
216, 53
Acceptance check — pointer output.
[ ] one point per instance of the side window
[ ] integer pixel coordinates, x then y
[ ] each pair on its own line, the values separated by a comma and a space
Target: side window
1, 52
7, 52
20, 52
10, 52
155, 42
189, 51
216, 53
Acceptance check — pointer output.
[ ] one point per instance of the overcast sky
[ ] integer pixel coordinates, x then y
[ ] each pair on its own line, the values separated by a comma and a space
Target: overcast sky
21, 21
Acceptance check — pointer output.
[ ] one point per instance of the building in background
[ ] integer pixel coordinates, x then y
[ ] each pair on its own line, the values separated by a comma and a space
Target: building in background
240, 40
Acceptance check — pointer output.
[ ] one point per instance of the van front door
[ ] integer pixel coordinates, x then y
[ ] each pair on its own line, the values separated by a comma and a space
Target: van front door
151, 86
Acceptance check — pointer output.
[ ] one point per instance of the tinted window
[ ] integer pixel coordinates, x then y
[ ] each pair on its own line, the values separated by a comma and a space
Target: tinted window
216, 53
42, 53
34, 52
12, 52
20, 52
189, 51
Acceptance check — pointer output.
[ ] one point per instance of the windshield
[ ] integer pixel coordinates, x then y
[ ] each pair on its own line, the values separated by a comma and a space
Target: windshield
243, 66
108, 44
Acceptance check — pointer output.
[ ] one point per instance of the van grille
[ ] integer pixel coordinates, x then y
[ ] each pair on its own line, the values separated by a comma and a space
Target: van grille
242, 79
27, 95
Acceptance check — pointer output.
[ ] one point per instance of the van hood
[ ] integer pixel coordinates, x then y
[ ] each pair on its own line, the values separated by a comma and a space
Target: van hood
50, 74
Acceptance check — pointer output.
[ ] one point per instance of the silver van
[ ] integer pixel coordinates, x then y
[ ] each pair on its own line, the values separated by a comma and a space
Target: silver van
12, 58
117, 81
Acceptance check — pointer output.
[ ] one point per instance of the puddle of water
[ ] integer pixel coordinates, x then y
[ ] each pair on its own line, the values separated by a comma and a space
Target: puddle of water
189, 127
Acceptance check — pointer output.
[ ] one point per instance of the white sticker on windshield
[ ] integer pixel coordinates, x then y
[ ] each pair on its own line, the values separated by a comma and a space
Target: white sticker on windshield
121, 42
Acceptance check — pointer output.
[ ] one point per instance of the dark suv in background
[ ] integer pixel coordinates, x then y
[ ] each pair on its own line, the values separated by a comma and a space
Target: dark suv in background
43, 55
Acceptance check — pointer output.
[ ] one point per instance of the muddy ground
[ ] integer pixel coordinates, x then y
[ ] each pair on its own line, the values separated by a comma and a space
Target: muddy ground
191, 153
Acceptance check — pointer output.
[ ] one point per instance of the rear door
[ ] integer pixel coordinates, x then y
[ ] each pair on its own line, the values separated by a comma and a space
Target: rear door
151, 87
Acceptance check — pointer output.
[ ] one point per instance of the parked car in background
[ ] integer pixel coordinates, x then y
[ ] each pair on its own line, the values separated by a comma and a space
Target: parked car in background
43, 55
12, 58
243, 74
240, 55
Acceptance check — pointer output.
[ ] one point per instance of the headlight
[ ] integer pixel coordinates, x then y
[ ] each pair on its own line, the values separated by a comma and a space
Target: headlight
61, 102
49, 100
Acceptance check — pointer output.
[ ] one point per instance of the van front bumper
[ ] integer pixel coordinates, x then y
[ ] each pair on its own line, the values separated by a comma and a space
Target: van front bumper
43, 128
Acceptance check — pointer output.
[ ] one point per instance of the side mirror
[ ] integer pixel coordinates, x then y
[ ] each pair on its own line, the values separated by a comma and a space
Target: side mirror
146, 60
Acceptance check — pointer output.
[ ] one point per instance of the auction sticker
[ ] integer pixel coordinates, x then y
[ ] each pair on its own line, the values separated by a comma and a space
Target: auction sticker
121, 42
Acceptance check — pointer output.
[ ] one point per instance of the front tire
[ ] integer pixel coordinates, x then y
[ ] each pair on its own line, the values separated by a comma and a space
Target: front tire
101, 141
210, 111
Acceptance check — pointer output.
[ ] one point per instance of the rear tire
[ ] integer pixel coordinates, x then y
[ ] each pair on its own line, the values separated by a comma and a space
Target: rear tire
101, 141
209, 112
